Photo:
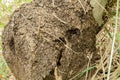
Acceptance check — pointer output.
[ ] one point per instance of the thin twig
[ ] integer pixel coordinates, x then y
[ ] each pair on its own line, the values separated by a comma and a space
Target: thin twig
53, 3
57, 77
82, 5
113, 42
59, 18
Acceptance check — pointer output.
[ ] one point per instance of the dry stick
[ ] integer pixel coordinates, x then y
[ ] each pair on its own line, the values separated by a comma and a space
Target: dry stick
103, 68
102, 65
101, 78
116, 72
69, 0
105, 57
99, 66
103, 60
59, 18
82, 5
113, 42
53, 3
57, 77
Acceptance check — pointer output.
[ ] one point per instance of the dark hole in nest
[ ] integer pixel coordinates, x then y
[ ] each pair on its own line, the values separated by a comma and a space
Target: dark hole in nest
62, 39
59, 57
72, 32
52, 72
12, 45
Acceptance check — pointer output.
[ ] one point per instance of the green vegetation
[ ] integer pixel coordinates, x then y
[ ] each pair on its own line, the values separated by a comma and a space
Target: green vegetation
7, 8
4, 70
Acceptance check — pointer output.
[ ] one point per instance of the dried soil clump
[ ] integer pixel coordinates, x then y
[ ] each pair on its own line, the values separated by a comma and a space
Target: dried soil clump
43, 35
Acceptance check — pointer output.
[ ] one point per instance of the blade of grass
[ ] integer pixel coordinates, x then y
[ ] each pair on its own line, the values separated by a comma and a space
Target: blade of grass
82, 73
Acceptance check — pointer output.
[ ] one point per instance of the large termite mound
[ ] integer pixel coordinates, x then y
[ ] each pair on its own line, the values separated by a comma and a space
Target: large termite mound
45, 34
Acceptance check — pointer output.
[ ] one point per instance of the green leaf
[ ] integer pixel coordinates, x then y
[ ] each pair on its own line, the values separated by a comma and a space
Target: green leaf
9, 9
2, 25
4, 70
85, 71
118, 37
82, 73
1, 13
118, 52
28, 0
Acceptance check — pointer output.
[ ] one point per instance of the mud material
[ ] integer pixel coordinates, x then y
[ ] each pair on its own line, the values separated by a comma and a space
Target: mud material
44, 34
